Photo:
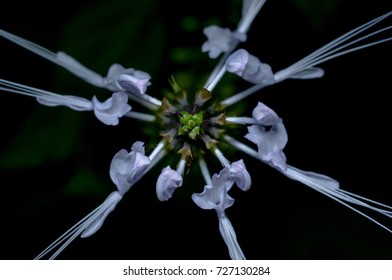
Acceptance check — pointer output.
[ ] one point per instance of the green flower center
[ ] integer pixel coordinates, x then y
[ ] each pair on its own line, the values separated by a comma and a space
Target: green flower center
190, 124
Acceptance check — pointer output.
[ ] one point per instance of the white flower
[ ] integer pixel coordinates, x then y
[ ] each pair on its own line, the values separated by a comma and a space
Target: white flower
182, 123
215, 196
270, 141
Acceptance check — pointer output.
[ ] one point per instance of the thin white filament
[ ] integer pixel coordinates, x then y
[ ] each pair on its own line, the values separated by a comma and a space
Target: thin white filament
39, 93
80, 226
251, 13
329, 51
70, 234
338, 195
47, 54
324, 52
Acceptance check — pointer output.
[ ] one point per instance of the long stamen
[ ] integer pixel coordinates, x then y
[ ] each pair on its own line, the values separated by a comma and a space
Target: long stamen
251, 13
76, 230
43, 52
325, 53
335, 194
325, 56
294, 173
71, 234
81, 103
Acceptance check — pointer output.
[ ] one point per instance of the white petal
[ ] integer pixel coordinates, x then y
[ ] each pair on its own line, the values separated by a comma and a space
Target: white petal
270, 143
112, 109
168, 181
220, 40
249, 68
215, 196
237, 61
240, 175
136, 83
264, 115
127, 168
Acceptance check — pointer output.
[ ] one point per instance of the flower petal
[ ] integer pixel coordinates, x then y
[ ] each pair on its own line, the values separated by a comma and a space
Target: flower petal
270, 143
127, 168
136, 83
240, 175
112, 109
264, 115
253, 71
215, 196
168, 181
220, 40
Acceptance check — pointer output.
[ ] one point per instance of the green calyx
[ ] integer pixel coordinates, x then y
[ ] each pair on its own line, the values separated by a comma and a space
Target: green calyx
190, 124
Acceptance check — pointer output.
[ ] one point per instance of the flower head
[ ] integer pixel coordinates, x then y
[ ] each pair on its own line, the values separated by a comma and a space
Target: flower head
215, 196
200, 125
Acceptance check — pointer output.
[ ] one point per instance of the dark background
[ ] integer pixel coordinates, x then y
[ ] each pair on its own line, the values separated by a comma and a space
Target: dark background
54, 161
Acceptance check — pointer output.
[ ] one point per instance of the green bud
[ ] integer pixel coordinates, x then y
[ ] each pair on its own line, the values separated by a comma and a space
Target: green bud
190, 124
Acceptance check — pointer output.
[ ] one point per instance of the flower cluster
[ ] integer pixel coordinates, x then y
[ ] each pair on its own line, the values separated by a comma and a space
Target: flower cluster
193, 124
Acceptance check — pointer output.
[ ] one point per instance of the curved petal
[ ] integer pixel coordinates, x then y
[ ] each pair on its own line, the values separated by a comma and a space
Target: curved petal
136, 83
112, 109
250, 68
168, 181
240, 175
220, 40
127, 168
264, 115
215, 196
270, 143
